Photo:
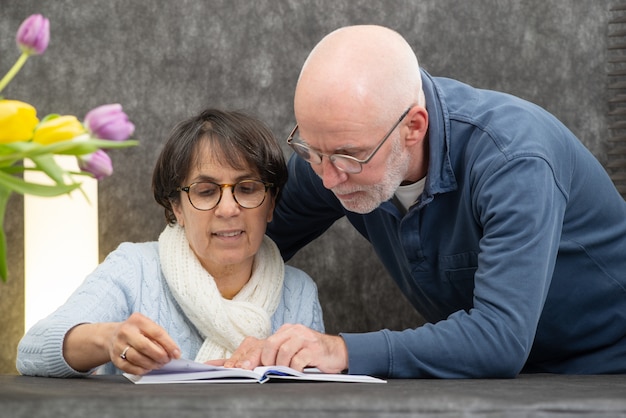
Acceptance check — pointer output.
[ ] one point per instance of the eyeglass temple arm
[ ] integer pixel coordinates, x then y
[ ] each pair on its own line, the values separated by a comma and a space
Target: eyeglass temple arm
291, 135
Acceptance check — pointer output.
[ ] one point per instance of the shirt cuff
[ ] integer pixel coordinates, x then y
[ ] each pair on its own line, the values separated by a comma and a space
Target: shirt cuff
368, 353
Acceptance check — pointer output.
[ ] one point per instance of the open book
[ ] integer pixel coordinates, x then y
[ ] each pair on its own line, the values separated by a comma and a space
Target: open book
187, 371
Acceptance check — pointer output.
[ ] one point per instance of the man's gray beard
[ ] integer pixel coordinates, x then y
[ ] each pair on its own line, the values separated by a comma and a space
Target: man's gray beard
375, 195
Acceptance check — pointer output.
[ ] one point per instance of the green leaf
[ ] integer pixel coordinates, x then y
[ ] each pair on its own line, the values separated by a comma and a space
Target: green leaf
47, 164
12, 147
49, 117
93, 145
11, 153
20, 186
14, 152
14, 169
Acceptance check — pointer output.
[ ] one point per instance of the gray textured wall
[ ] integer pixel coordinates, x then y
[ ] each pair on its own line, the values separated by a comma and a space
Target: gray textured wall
164, 61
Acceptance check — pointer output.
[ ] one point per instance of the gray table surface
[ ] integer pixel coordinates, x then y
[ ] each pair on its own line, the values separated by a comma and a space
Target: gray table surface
114, 396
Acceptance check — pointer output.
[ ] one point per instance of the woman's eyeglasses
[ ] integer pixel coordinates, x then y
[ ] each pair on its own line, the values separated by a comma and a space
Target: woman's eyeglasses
206, 195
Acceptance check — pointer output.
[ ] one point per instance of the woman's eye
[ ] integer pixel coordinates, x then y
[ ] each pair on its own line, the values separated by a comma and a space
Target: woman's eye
206, 191
246, 189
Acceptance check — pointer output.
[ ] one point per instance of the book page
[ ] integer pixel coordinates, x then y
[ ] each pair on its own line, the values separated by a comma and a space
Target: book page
182, 370
312, 375
188, 371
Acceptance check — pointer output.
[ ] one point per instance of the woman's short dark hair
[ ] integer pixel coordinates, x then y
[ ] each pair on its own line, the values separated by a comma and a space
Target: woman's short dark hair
234, 138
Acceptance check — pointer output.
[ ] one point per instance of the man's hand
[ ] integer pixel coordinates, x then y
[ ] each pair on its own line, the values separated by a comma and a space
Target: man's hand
295, 346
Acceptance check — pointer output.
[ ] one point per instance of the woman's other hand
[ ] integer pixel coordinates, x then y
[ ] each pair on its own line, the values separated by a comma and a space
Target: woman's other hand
135, 346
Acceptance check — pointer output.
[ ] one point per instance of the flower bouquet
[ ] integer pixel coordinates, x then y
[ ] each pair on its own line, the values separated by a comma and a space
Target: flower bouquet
24, 136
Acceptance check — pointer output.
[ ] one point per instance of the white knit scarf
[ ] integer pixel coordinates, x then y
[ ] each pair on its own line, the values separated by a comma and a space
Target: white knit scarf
222, 323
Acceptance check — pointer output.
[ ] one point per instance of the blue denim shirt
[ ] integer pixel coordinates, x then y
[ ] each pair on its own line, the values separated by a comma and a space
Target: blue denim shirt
515, 253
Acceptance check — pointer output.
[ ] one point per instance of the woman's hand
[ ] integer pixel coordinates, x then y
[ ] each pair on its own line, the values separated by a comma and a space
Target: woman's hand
135, 346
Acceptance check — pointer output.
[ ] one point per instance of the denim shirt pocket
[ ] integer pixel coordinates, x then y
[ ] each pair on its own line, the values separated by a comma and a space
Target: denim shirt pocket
457, 275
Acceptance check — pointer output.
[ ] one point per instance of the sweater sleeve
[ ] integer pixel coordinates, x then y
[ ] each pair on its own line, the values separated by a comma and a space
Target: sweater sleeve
104, 296
300, 302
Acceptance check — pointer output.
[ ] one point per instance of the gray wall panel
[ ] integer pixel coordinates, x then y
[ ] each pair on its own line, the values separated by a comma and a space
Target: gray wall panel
164, 61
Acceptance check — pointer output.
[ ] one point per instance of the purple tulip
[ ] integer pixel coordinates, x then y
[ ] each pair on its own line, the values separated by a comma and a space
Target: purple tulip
98, 163
109, 122
33, 35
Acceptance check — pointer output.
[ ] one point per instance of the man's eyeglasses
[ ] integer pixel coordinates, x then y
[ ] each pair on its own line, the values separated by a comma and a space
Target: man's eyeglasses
343, 162
206, 195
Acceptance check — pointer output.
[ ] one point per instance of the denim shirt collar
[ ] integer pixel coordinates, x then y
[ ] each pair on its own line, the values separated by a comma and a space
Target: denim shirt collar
440, 177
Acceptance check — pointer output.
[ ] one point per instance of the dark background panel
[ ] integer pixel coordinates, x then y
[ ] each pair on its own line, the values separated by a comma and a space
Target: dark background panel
164, 61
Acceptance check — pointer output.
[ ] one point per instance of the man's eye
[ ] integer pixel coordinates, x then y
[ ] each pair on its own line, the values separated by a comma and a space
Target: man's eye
348, 155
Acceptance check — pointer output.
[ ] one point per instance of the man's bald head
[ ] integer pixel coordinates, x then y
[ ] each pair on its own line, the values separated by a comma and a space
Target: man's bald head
356, 68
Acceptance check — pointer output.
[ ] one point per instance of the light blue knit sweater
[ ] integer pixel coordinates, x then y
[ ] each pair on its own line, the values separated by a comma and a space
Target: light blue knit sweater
130, 280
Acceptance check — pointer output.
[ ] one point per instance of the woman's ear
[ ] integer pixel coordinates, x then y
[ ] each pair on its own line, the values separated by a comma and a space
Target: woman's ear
272, 204
178, 213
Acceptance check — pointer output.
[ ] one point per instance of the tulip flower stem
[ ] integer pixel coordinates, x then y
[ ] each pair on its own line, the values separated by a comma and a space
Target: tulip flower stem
14, 70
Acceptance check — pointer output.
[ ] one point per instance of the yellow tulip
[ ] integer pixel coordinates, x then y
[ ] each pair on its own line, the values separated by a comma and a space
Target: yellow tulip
17, 121
61, 128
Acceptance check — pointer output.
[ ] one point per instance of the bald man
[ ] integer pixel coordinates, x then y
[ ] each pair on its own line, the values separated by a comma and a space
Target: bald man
496, 223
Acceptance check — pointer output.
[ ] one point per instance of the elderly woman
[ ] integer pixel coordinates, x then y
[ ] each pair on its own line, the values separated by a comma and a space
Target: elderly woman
212, 279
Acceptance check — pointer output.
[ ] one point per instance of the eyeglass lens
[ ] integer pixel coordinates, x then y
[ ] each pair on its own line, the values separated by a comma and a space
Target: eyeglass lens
343, 163
248, 194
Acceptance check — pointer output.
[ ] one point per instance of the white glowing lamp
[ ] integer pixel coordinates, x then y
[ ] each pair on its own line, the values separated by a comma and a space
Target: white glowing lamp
60, 242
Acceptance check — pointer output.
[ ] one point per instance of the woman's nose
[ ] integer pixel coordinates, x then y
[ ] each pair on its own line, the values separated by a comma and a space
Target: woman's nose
227, 206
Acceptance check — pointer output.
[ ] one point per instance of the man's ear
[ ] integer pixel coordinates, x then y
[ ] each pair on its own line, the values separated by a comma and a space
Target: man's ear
417, 124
